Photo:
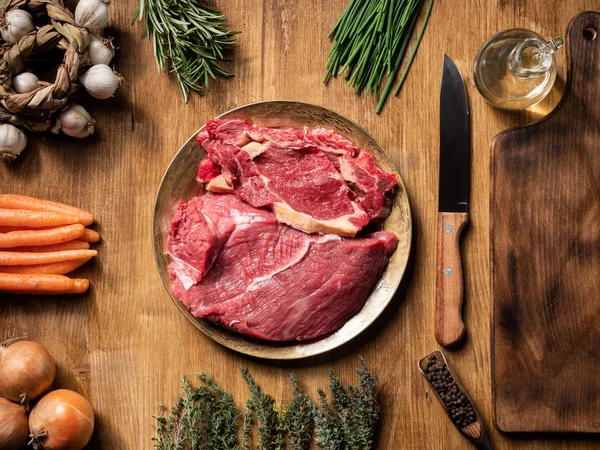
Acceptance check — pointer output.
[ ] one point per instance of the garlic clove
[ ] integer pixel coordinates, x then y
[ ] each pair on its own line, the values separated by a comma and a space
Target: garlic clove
100, 50
12, 141
100, 81
92, 14
17, 23
25, 82
75, 121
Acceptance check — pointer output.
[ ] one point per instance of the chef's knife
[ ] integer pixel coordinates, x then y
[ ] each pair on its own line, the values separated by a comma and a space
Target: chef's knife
452, 210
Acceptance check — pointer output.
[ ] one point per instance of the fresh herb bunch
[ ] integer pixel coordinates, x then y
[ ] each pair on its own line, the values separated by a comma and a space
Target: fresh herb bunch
206, 418
369, 43
360, 412
247, 426
328, 430
270, 429
298, 417
189, 39
353, 424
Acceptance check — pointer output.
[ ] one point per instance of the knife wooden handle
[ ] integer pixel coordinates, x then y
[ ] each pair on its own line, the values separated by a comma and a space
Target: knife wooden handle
449, 326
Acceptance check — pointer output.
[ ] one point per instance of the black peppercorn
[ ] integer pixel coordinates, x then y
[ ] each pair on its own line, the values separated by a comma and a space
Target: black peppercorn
460, 409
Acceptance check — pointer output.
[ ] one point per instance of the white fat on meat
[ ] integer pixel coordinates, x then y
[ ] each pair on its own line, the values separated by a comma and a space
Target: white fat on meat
180, 267
254, 148
219, 185
341, 226
347, 170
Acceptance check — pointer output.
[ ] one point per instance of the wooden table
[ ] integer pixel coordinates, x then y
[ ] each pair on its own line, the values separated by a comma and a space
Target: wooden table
125, 345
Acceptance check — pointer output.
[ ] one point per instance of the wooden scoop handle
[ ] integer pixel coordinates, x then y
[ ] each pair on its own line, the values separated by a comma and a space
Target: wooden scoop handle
449, 326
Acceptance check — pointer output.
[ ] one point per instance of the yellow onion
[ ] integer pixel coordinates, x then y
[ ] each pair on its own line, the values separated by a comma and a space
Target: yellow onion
26, 371
13, 425
61, 420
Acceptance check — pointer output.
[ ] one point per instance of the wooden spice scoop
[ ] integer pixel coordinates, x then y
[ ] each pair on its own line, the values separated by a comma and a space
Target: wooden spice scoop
454, 399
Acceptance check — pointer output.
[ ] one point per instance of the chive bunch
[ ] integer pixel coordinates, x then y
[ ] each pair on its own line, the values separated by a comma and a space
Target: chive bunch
369, 43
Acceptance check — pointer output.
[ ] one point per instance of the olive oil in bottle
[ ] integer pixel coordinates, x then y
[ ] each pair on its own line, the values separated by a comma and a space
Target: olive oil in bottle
514, 69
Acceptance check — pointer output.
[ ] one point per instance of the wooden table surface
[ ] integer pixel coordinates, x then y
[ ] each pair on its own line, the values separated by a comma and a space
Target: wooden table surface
125, 345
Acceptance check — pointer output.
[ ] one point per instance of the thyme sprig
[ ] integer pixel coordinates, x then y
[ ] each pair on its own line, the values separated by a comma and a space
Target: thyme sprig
246, 443
270, 429
328, 430
298, 417
358, 408
206, 417
189, 39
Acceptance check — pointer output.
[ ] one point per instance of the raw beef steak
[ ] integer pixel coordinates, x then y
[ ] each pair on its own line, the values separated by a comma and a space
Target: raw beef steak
196, 238
313, 179
267, 280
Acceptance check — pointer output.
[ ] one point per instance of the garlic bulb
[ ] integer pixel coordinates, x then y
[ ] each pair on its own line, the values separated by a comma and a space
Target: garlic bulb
12, 141
25, 82
92, 14
100, 51
75, 121
100, 81
17, 23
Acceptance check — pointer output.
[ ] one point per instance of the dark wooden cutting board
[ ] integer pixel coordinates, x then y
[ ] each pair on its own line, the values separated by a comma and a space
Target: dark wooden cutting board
545, 256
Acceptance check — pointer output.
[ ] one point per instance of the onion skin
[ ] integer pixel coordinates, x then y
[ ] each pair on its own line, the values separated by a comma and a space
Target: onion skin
13, 425
26, 371
61, 420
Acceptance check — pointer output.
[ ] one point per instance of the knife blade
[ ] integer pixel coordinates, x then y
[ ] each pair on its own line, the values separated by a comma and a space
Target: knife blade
455, 159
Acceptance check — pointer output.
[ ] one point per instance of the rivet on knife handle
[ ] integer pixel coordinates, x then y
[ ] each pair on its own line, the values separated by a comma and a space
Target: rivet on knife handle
449, 326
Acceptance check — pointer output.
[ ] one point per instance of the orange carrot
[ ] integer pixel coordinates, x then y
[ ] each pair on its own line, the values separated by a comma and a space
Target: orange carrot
59, 268
35, 283
80, 285
41, 237
26, 218
90, 236
9, 229
29, 259
10, 201
71, 245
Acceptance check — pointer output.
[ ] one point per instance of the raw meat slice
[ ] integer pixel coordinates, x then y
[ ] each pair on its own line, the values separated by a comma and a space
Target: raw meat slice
270, 281
196, 237
235, 132
330, 141
207, 170
303, 188
369, 182
255, 163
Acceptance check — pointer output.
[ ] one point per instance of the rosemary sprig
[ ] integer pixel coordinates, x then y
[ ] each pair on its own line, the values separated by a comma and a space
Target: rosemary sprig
189, 39
370, 41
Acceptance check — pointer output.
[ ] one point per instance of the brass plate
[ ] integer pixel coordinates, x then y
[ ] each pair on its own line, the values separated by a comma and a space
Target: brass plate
179, 182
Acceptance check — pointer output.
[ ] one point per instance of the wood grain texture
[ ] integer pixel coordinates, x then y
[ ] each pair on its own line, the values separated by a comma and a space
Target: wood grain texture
449, 279
125, 345
546, 257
